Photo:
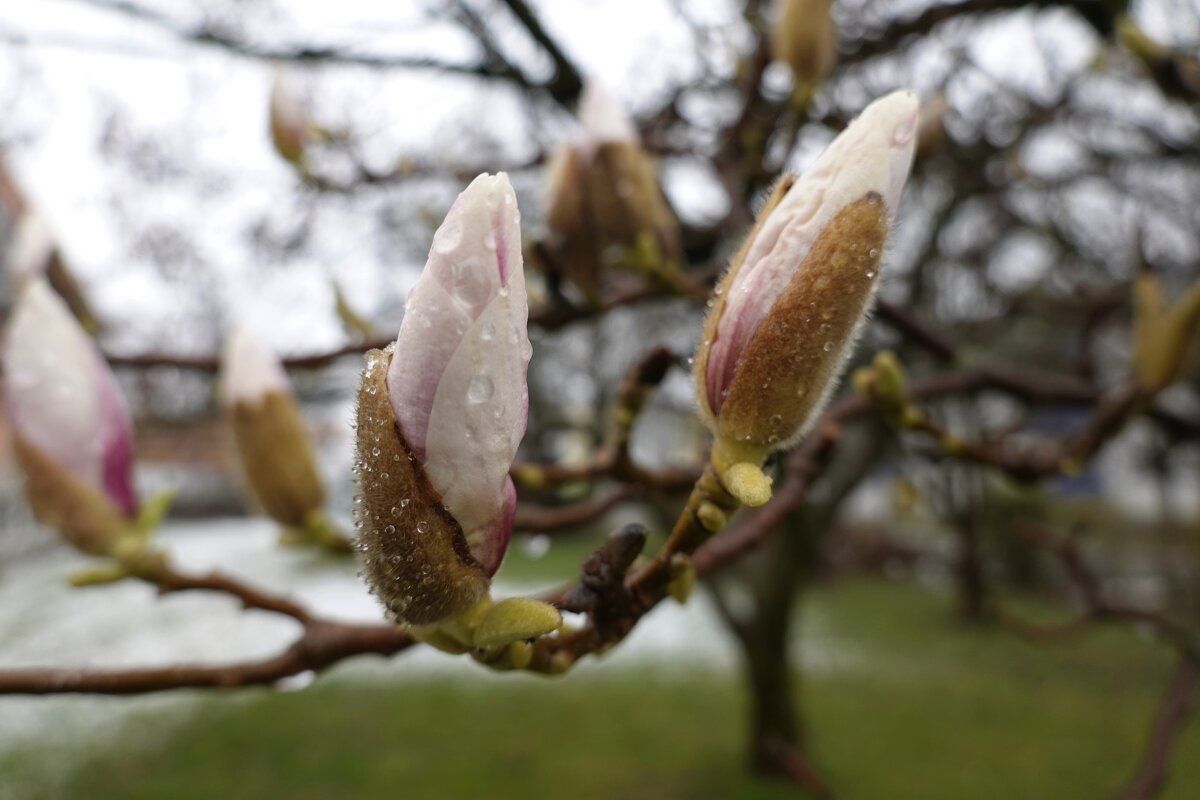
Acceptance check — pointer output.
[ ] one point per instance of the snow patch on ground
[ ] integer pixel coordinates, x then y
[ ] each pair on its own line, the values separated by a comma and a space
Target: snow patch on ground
43, 622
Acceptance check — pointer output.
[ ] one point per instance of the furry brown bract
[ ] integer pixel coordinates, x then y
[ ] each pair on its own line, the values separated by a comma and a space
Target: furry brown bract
415, 557
81, 513
277, 457
790, 364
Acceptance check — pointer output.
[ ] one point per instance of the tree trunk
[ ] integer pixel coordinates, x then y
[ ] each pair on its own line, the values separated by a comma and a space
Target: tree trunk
972, 586
768, 582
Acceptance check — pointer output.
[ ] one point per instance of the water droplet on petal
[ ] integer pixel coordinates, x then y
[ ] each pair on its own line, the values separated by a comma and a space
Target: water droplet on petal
480, 389
448, 237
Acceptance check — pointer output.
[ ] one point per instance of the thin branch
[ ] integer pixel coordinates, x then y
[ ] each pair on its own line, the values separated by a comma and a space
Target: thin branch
321, 645
567, 82
1177, 706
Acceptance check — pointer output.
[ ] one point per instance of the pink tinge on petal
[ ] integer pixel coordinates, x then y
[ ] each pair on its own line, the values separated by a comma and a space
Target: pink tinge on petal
116, 441
738, 323
62, 398
501, 247
491, 542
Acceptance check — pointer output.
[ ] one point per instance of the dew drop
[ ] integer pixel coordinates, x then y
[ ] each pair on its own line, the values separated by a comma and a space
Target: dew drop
422, 526
375, 451
448, 238
828, 346
480, 389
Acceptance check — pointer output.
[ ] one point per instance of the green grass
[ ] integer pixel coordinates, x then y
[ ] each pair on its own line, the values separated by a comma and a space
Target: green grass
922, 708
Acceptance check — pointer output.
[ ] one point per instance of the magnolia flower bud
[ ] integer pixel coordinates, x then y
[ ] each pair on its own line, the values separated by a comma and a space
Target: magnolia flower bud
788, 311
804, 37
604, 205
272, 443
34, 254
72, 432
440, 415
292, 131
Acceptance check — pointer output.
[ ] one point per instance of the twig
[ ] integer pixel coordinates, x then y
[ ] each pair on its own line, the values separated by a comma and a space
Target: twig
1151, 775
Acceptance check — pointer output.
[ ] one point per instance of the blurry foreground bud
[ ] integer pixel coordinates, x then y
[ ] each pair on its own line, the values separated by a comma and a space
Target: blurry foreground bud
604, 205
440, 415
72, 433
272, 442
804, 37
34, 254
292, 130
788, 311
1161, 334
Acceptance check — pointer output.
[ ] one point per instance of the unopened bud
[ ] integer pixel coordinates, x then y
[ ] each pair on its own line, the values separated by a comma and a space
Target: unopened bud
440, 416
804, 37
604, 204
789, 310
1162, 333
72, 432
272, 442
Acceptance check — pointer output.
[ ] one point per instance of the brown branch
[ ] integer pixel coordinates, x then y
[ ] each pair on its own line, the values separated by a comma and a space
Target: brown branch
302, 53
533, 518
613, 459
552, 318
920, 332
1097, 607
1151, 775
567, 83
169, 580
321, 645
898, 32
792, 765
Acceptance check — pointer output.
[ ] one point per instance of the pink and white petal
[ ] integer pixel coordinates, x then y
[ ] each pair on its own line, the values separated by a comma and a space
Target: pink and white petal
873, 154
49, 366
474, 255
480, 410
489, 543
602, 117
249, 371
116, 440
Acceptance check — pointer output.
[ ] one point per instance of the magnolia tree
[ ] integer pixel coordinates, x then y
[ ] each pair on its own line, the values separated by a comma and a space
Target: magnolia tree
1031, 257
